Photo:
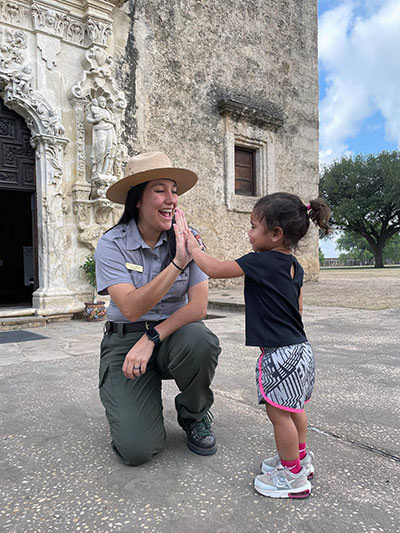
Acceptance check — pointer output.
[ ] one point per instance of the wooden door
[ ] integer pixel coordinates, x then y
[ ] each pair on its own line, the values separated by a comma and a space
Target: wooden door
18, 225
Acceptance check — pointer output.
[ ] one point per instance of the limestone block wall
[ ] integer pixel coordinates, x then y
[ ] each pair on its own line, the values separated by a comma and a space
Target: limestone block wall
182, 59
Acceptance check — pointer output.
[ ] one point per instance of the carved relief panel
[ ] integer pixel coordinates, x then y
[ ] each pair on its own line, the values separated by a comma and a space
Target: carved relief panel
51, 21
98, 108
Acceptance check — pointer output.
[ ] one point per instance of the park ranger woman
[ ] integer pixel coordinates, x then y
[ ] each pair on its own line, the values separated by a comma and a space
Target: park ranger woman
154, 329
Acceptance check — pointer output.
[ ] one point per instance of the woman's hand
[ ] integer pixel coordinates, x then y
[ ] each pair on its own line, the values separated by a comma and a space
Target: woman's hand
183, 256
137, 358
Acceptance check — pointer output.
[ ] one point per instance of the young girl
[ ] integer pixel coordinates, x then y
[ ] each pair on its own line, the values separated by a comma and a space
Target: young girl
273, 296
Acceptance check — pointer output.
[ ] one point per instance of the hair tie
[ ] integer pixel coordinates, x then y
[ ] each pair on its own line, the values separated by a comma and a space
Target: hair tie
308, 207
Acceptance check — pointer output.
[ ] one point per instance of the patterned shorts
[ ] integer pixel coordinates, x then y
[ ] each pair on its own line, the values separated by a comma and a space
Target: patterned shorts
285, 376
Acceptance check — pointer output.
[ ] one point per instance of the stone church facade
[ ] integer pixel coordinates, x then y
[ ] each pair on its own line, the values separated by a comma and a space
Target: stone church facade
227, 89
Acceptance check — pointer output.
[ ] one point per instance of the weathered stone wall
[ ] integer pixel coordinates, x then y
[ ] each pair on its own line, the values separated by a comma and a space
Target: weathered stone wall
189, 78
182, 58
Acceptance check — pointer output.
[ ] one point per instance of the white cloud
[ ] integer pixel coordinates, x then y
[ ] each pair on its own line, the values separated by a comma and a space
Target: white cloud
359, 47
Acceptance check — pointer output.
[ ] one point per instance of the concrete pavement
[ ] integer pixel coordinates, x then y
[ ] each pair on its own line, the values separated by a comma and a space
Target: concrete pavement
57, 471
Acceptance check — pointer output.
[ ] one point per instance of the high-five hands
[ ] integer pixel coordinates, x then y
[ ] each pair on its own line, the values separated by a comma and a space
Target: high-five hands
183, 255
137, 358
190, 240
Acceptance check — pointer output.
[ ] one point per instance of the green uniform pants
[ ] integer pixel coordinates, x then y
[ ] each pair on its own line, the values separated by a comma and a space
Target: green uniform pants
134, 407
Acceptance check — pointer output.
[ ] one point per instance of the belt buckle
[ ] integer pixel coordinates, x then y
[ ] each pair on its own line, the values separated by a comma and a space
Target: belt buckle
107, 328
146, 325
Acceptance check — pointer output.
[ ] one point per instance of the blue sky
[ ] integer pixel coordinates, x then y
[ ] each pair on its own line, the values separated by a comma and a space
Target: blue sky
359, 74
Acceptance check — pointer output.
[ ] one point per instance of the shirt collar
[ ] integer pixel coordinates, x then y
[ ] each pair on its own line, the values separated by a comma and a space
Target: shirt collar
134, 240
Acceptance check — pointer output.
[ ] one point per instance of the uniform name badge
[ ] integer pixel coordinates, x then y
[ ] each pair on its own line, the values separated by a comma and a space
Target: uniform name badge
136, 268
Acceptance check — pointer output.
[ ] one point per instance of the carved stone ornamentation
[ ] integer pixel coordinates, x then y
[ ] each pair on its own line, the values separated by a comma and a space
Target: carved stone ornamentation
47, 139
98, 32
81, 210
51, 213
75, 32
104, 143
34, 35
54, 154
103, 210
49, 50
12, 12
99, 106
12, 45
97, 73
97, 62
98, 109
16, 80
49, 20
56, 22
80, 142
19, 93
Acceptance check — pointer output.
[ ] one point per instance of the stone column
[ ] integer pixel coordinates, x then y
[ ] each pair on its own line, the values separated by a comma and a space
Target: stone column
52, 294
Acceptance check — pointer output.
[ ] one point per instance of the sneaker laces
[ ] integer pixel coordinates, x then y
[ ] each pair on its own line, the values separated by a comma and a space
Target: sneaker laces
202, 428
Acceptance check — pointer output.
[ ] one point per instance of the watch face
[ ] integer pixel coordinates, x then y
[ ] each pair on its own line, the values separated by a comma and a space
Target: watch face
153, 335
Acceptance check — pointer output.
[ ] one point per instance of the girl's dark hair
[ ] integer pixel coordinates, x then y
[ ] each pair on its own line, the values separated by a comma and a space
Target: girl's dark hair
287, 211
131, 211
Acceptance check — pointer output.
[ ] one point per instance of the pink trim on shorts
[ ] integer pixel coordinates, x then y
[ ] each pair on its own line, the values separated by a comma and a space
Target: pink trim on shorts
267, 399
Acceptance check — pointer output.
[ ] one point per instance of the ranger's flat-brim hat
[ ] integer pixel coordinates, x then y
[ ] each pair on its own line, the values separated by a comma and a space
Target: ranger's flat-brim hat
149, 166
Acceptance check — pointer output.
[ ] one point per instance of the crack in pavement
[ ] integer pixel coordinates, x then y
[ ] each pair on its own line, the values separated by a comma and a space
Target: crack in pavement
324, 432
357, 443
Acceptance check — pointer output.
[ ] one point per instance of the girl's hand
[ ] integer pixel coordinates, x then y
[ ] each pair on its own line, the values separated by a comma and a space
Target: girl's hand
190, 240
137, 358
183, 256
191, 243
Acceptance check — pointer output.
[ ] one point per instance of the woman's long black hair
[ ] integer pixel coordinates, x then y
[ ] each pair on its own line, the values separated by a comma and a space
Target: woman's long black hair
131, 211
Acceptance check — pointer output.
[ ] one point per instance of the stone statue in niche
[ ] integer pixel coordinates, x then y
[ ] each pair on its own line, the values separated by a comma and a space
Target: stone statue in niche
104, 138
104, 145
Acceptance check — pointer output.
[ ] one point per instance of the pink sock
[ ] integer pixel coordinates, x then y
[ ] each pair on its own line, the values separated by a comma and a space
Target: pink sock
302, 450
293, 466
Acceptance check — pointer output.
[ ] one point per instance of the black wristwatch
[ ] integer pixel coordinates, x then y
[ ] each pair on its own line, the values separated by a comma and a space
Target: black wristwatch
153, 335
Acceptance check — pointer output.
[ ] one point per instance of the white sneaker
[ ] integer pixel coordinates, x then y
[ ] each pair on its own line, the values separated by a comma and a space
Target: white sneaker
282, 483
273, 462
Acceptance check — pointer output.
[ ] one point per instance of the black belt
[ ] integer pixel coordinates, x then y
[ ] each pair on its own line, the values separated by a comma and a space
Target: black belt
129, 327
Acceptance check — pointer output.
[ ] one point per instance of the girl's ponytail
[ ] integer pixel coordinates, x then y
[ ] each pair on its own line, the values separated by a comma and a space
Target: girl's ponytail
319, 213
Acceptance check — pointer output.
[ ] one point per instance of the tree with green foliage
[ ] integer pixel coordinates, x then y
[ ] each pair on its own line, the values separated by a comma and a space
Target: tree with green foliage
391, 253
357, 248
364, 195
354, 247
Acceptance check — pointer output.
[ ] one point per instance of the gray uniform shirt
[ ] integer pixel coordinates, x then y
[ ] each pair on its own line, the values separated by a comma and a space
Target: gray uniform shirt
122, 256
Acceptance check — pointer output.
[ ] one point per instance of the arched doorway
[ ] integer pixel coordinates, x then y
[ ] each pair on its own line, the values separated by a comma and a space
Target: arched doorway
18, 221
